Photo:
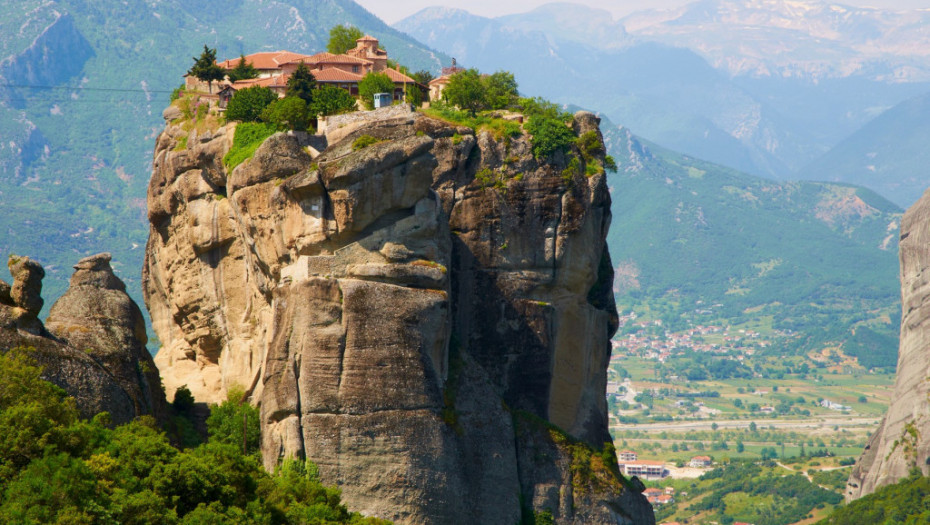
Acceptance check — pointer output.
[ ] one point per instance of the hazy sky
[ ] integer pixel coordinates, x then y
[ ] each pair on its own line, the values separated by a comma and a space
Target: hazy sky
393, 10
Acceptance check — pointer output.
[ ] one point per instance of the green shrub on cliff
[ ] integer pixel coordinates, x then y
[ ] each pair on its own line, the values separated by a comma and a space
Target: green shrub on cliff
330, 100
287, 113
907, 501
249, 136
247, 104
57, 468
549, 135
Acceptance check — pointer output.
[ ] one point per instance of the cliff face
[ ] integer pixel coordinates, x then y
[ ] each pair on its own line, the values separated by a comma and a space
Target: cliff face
902, 440
93, 343
414, 316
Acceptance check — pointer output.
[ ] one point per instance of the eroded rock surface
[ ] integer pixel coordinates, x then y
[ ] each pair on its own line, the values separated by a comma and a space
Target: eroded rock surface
397, 311
93, 344
902, 440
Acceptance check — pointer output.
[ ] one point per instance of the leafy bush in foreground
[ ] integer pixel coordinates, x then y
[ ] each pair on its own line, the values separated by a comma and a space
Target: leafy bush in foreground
57, 468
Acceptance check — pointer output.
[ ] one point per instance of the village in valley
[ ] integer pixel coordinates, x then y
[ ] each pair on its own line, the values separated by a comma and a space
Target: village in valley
692, 398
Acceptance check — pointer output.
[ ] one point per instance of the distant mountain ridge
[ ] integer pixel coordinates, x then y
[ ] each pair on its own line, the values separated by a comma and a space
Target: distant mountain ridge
796, 38
890, 152
818, 258
739, 83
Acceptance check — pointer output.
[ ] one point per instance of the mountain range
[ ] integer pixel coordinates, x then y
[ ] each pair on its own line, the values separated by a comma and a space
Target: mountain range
84, 85
818, 259
739, 83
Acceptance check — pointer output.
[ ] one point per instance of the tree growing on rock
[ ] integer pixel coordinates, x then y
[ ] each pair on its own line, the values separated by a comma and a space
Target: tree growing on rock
287, 113
466, 91
206, 69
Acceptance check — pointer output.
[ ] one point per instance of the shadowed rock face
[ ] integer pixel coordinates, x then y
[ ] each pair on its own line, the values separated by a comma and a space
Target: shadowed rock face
93, 343
412, 316
902, 440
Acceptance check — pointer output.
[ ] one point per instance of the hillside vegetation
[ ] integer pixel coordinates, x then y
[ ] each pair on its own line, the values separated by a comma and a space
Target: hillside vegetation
695, 243
57, 468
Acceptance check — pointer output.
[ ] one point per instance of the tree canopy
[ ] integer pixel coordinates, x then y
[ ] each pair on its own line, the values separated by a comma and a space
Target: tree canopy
247, 104
287, 113
342, 38
301, 84
373, 83
465, 90
330, 100
472, 91
56, 468
205, 67
244, 70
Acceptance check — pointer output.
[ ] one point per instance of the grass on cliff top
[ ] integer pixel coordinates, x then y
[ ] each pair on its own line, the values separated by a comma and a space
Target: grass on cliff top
484, 121
249, 136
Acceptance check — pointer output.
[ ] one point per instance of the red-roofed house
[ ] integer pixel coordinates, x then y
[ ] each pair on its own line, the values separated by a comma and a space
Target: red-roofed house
700, 461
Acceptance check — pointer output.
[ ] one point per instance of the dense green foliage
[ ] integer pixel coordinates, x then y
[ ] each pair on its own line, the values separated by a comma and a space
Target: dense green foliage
777, 499
415, 95
907, 501
205, 68
286, 113
373, 83
342, 38
471, 91
244, 70
301, 84
723, 247
872, 349
247, 104
249, 136
465, 90
56, 468
549, 136
330, 100
236, 423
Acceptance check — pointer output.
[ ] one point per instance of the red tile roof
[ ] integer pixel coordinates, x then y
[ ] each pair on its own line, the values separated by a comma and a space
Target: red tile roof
333, 74
441, 80
269, 82
367, 38
265, 60
329, 58
397, 76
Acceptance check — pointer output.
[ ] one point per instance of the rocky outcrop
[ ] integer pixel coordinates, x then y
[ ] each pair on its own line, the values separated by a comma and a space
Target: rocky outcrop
427, 318
93, 344
902, 440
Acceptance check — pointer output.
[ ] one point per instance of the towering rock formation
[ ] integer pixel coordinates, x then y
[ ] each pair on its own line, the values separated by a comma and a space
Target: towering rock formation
902, 440
93, 343
427, 318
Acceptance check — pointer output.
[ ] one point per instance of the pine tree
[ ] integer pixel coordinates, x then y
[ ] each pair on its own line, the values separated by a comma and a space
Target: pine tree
206, 69
243, 70
301, 84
